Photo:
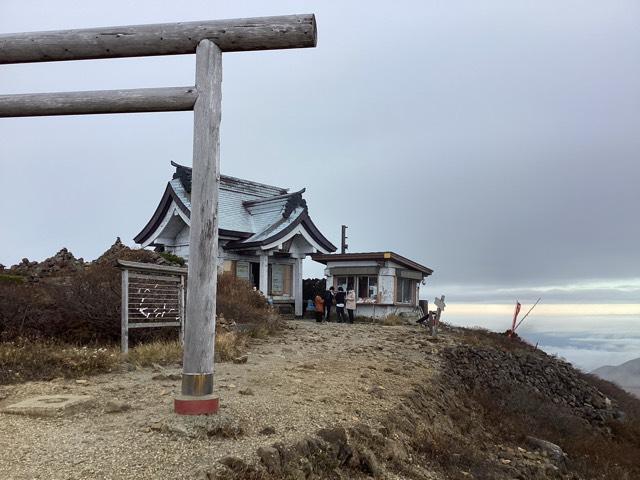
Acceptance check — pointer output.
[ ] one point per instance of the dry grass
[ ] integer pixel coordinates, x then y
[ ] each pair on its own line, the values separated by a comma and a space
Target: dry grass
24, 360
158, 352
28, 360
230, 345
393, 320
480, 337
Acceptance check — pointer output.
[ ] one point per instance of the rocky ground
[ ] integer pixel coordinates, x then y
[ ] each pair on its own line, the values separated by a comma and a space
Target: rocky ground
313, 376
318, 401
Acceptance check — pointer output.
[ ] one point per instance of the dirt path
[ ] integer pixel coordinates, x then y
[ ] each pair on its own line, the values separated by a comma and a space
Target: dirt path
310, 377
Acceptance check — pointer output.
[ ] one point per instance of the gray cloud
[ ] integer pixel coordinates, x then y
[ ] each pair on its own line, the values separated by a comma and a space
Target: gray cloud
614, 292
494, 142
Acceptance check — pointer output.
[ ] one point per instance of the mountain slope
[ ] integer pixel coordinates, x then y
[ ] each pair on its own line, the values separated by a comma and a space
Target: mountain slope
626, 375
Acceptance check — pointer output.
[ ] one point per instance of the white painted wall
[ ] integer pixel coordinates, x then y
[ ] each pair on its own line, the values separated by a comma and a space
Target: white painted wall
381, 311
387, 285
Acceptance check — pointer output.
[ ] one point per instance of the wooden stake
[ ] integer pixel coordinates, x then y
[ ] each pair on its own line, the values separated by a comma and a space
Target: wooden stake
124, 327
527, 314
436, 319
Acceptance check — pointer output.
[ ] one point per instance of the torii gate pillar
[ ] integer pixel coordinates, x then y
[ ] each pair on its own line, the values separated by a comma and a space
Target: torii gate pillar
200, 328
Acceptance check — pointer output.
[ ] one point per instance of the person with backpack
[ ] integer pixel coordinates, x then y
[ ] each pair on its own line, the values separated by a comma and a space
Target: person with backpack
328, 302
340, 303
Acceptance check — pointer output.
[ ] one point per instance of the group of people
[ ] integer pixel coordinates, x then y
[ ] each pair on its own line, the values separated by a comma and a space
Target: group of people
341, 300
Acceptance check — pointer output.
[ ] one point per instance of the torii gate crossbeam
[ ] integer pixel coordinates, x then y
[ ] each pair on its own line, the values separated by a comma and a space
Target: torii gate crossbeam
208, 40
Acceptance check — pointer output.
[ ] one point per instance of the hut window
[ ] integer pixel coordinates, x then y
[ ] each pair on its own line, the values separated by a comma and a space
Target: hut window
367, 288
347, 283
405, 288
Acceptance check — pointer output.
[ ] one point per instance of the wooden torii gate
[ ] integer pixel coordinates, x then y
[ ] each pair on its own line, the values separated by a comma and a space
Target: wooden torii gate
207, 39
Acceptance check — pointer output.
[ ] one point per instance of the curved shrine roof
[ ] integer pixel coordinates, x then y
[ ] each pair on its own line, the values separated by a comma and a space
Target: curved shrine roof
254, 213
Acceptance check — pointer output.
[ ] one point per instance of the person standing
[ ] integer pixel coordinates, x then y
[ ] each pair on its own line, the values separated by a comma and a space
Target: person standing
311, 306
319, 301
340, 303
351, 304
328, 302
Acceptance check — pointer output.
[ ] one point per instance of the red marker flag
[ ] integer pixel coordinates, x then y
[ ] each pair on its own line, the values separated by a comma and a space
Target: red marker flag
515, 318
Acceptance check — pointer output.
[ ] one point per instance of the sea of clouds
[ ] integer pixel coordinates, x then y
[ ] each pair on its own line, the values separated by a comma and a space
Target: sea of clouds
587, 341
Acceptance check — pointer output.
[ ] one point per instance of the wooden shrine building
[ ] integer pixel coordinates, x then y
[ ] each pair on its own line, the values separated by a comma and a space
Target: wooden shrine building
264, 233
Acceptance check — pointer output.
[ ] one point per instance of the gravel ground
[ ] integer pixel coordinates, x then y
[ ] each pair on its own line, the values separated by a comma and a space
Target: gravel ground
311, 376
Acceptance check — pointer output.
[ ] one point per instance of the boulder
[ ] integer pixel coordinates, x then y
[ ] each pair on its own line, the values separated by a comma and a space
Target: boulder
270, 458
51, 405
553, 451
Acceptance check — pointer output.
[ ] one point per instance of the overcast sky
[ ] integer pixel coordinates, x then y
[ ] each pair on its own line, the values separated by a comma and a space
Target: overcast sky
496, 142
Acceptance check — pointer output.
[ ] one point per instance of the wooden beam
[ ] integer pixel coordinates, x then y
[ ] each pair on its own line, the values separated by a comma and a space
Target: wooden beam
173, 99
151, 267
154, 324
234, 35
197, 379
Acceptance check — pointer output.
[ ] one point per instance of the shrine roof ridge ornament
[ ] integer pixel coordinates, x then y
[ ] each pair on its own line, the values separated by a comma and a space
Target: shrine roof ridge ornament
232, 35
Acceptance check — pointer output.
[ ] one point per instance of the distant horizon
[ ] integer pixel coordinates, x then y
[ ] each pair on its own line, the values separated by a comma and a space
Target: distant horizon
587, 335
461, 307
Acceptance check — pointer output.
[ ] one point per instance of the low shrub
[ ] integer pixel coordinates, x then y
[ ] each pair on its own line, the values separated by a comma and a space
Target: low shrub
7, 278
24, 360
85, 307
170, 257
458, 457
81, 308
627, 402
239, 302
595, 453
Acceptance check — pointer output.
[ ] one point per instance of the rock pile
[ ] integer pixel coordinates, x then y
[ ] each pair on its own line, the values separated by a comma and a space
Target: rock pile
65, 264
498, 370
119, 251
61, 264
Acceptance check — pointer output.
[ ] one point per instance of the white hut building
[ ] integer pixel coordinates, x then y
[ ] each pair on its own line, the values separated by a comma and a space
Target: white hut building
264, 233
384, 282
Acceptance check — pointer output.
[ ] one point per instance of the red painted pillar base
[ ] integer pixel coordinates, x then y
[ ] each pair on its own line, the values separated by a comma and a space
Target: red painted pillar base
200, 405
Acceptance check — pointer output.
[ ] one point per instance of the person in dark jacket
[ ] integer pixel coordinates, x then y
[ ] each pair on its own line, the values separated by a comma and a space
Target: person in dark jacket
328, 301
340, 301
